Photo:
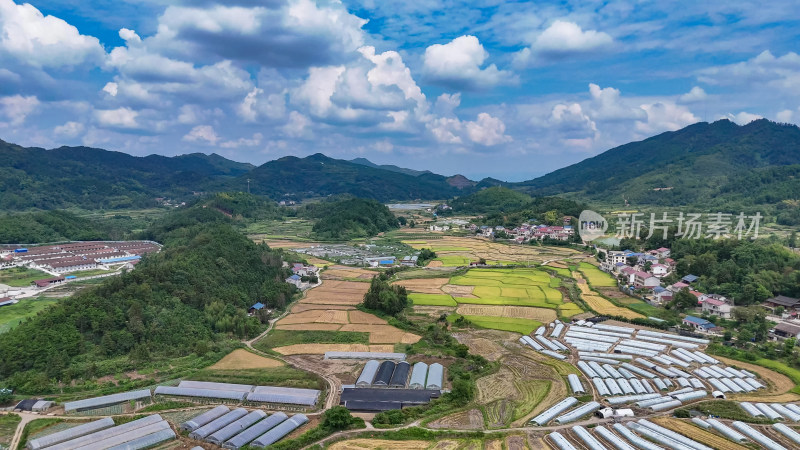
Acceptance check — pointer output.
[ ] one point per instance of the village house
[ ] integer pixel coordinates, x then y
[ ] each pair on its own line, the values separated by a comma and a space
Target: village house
785, 330
612, 259
677, 286
700, 297
645, 280
256, 307
409, 261
662, 252
788, 303
716, 305
295, 280
689, 279
659, 270
698, 324
629, 273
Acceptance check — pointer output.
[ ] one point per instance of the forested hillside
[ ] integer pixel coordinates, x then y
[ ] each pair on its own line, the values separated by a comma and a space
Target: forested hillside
349, 218
48, 226
320, 176
93, 178
181, 301
503, 206
703, 163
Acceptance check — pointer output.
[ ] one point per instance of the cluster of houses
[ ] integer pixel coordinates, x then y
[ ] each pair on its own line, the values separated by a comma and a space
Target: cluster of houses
76, 256
526, 232
644, 272
301, 271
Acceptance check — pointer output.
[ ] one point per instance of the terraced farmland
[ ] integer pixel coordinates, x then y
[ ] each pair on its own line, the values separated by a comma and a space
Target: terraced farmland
596, 277
460, 251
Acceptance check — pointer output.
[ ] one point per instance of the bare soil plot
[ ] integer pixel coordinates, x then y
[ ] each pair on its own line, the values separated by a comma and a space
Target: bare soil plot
365, 318
698, 434
464, 420
435, 264
316, 315
487, 348
424, 285
309, 326
300, 307
459, 291
242, 359
335, 292
344, 272
446, 445
516, 442
319, 349
494, 444
369, 444
523, 312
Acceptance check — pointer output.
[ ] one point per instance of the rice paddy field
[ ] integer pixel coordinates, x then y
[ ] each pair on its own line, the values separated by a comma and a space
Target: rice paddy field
453, 251
330, 307
596, 277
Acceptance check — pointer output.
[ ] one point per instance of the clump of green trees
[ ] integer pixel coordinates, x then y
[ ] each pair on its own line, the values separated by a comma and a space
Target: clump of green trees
384, 297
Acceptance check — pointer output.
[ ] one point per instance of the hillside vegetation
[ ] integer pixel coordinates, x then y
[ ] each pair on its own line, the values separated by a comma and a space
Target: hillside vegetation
184, 300
48, 226
703, 163
349, 218
503, 206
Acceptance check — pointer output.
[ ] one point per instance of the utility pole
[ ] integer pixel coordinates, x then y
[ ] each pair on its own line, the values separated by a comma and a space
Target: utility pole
248, 185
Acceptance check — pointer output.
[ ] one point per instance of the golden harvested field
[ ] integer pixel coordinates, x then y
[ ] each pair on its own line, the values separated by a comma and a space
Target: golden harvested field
280, 243
456, 250
698, 434
344, 272
522, 312
424, 285
487, 348
362, 317
309, 326
599, 304
464, 420
242, 359
370, 444
331, 307
319, 349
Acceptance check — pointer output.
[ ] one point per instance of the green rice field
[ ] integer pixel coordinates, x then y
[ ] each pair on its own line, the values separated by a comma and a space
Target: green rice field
513, 287
595, 276
431, 300
523, 326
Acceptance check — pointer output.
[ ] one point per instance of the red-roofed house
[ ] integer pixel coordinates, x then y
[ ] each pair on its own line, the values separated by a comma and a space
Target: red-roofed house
645, 280
717, 307
662, 252
700, 296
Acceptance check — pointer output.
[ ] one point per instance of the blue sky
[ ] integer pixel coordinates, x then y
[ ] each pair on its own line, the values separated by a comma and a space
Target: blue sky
506, 89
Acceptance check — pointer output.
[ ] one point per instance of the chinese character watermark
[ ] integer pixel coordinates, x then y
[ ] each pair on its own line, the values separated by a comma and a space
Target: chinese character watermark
682, 225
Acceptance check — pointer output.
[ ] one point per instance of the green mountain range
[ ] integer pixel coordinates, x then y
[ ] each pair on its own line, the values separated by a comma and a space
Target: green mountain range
720, 164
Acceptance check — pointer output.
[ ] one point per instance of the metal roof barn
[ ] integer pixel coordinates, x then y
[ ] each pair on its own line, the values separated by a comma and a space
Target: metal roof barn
579, 412
384, 375
575, 384
236, 427
658, 437
101, 435
216, 424
757, 436
364, 355
250, 434
69, 434
274, 435
554, 410
601, 387
199, 393
587, 438
435, 376
106, 400
560, 441
368, 373
216, 386
283, 399
634, 439
788, 432
612, 439
673, 435
204, 418
400, 375
418, 376
128, 436
146, 441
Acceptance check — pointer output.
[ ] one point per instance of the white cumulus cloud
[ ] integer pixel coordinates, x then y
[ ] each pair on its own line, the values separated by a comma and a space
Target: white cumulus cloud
202, 133
460, 63
118, 118
743, 117
561, 40
16, 108
70, 129
665, 116
487, 130
34, 39
696, 94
